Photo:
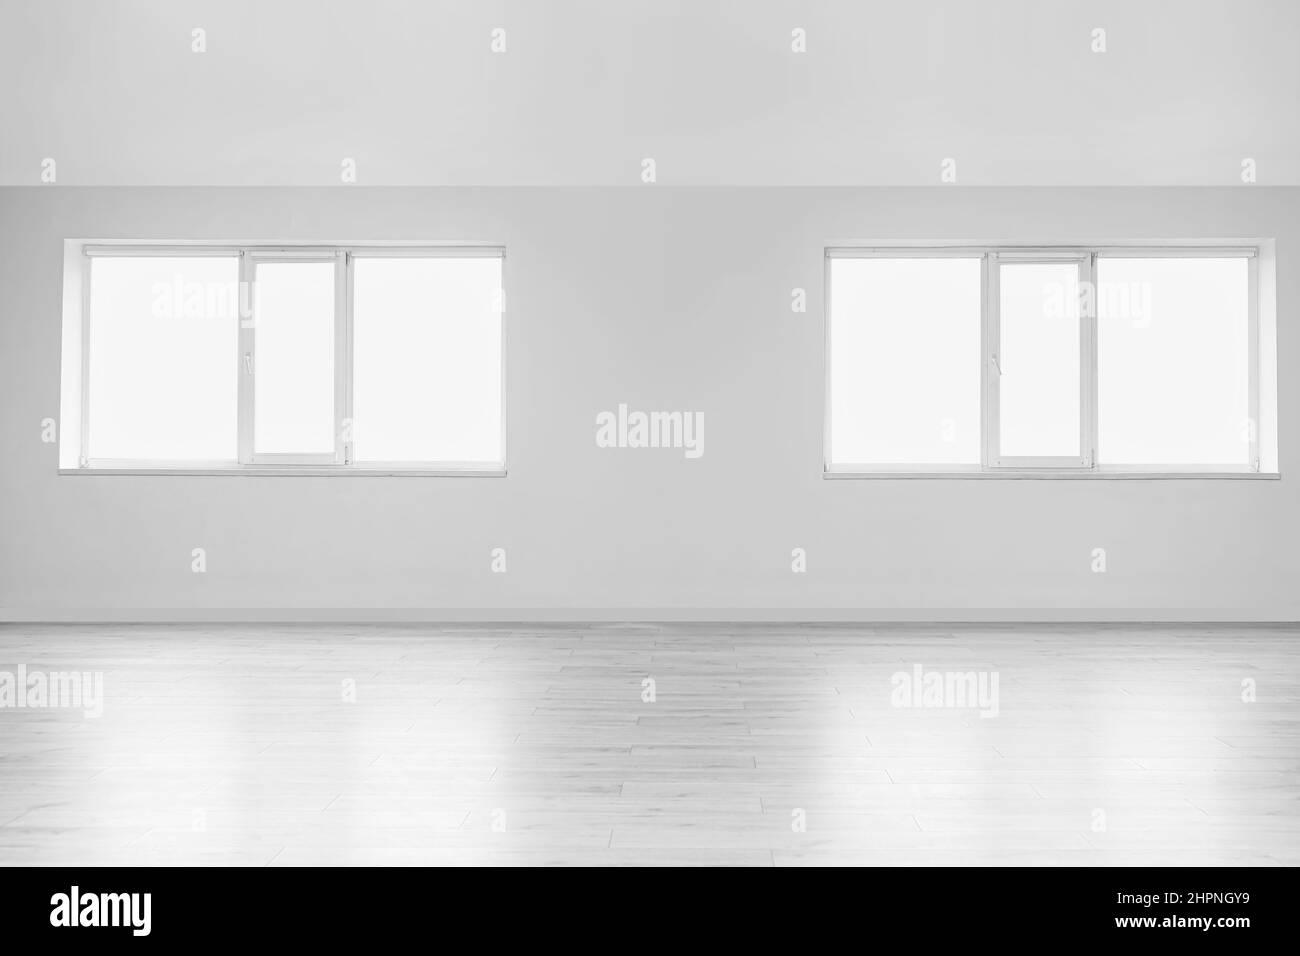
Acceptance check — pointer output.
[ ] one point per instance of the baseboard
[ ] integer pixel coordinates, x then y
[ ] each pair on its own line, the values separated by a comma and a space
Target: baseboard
426, 615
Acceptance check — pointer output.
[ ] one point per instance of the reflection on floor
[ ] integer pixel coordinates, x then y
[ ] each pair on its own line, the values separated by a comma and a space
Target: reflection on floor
640, 744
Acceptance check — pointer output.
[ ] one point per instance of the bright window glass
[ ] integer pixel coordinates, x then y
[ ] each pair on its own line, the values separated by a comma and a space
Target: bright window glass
905, 361
163, 360
1038, 359
427, 359
294, 322
1173, 361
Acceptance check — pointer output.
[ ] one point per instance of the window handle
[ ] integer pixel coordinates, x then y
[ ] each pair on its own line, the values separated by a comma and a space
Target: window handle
248, 362
996, 364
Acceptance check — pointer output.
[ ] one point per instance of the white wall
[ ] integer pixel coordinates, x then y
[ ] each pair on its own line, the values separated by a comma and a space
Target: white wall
1013, 90
664, 299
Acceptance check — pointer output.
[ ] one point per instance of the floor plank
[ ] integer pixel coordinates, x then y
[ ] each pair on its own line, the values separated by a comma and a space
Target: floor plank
763, 745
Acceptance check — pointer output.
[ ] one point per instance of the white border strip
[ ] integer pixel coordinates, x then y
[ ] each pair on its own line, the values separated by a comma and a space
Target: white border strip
579, 615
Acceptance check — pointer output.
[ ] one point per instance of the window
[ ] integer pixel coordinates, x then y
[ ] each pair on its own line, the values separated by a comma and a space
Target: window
292, 361
1173, 358
1036, 358
1048, 361
285, 360
905, 361
162, 360
427, 368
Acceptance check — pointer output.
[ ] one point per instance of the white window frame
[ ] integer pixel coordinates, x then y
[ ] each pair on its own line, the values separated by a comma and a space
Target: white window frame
992, 463
341, 461
992, 338
250, 260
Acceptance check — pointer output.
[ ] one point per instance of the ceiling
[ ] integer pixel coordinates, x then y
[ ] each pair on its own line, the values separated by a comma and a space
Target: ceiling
711, 90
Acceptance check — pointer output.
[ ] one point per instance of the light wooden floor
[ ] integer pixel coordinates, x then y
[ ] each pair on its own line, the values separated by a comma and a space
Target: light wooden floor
483, 745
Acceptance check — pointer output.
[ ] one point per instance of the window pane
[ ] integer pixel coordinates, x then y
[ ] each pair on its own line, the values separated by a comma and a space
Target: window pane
293, 403
1038, 391
905, 361
164, 347
427, 359
1173, 361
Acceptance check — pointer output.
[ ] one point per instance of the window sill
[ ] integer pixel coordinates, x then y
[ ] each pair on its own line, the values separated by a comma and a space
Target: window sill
1020, 475
307, 471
